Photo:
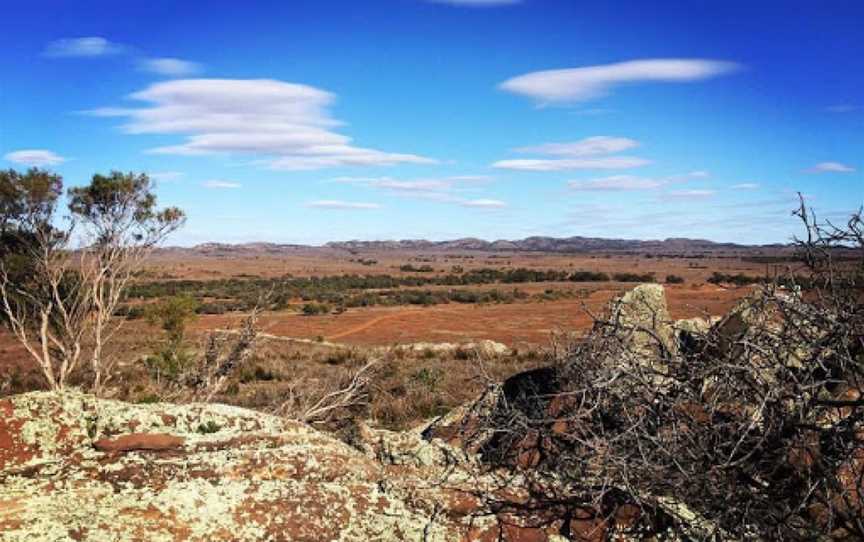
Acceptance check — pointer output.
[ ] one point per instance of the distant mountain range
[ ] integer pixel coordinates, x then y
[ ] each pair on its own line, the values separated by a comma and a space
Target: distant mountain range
529, 244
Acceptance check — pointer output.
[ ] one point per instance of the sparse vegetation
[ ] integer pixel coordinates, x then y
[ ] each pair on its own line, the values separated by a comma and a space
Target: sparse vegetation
634, 277
738, 279
55, 297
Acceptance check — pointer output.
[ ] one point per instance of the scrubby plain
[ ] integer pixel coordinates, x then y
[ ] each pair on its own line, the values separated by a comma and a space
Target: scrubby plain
524, 314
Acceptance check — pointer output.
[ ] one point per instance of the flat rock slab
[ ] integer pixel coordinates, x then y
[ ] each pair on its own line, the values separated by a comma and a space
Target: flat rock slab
140, 442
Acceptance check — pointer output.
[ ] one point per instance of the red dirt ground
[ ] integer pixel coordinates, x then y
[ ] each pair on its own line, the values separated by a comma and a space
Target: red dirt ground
514, 324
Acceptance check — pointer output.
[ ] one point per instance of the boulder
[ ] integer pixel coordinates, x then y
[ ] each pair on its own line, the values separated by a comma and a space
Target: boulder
77, 468
642, 317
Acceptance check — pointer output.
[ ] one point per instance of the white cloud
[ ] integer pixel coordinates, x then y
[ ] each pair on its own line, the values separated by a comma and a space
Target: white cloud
606, 162
831, 167
166, 175
590, 146
691, 194
171, 67
82, 47
341, 205
287, 123
430, 185
583, 154
451, 189
616, 183
348, 179
35, 157
477, 3
471, 178
591, 82
483, 203
684, 177
745, 186
630, 183
217, 184
416, 186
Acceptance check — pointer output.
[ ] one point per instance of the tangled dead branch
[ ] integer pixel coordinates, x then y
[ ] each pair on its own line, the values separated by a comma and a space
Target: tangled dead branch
323, 407
750, 428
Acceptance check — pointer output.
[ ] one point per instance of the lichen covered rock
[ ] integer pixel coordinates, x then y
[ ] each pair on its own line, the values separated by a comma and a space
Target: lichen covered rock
73, 467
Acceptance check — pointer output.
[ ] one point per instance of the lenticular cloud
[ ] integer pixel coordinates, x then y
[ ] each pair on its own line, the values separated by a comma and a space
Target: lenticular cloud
287, 123
591, 82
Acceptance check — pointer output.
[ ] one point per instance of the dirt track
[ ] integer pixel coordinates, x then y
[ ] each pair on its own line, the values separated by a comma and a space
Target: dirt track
363, 327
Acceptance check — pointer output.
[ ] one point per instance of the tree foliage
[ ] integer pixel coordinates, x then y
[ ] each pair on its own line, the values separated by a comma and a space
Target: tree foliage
56, 297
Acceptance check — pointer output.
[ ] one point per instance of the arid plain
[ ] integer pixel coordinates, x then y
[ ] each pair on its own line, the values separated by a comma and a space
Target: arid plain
548, 307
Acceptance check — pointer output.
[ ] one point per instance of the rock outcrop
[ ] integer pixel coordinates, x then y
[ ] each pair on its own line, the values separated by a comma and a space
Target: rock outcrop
73, 467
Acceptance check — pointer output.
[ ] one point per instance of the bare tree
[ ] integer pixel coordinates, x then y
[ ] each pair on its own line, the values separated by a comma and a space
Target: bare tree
48, 312
119, 226
55, 299
44, 299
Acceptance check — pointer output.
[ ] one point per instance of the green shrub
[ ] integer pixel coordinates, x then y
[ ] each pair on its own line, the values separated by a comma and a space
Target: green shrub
428, 377
739, 279
634, 277
168, 363
312, 309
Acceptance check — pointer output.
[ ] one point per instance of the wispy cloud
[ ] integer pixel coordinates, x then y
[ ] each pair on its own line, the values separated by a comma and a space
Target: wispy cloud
439, 185
831, 167
588, 153
452, 189
691, 194
616, 183
632, 183
34, 157
96, 46
606, 162
342, 205
592, 82
483, 203
171, 67
220, 185
590, 146
690, 176
289, 124
91, 46
745, 186
430, 185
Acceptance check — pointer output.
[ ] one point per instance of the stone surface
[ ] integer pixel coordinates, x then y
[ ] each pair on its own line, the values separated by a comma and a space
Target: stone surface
642, 316
73, 467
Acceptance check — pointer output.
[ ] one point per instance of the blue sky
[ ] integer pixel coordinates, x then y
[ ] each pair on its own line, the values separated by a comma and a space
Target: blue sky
311, 121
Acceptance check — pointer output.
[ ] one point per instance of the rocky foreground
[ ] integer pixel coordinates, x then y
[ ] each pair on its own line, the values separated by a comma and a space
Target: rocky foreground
74, 467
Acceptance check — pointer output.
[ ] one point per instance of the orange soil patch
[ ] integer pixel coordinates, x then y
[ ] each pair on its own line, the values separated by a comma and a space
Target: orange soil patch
513, 324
